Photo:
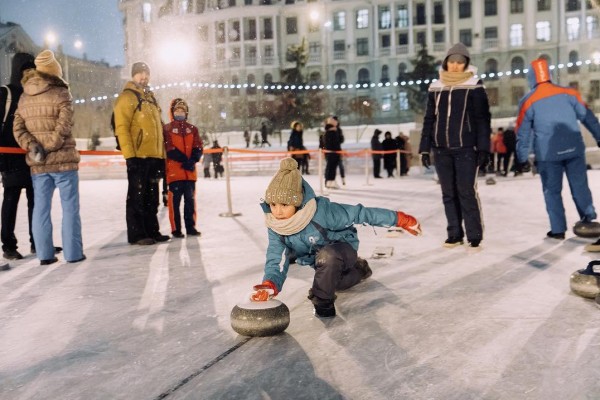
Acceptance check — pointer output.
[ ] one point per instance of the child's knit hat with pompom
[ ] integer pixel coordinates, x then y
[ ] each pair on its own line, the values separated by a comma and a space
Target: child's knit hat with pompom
286, 185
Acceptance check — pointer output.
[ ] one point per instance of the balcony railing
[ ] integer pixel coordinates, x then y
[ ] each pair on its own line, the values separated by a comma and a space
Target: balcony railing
339, 55
402, 49
268, 60
384, 51
489, 44
314, 58
439, 47
250, 60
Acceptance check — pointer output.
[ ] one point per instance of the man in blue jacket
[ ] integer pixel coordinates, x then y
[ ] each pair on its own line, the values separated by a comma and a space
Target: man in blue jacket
547, 126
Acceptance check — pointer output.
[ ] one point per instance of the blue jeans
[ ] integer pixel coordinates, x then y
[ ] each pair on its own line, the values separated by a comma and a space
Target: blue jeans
43, 190
552, 180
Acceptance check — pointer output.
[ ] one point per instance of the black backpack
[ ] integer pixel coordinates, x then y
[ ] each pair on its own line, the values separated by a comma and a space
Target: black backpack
140, 100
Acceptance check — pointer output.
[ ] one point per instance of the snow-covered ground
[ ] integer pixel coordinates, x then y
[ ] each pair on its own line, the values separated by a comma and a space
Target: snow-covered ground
431, 323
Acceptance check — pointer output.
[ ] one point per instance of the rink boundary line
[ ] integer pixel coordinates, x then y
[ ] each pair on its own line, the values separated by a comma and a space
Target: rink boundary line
195, 374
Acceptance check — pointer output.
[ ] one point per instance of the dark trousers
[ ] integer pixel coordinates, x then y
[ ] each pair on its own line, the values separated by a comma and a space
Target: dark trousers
507, 156
141, 211
335, 269
187, 190
333, 160
377, 166
457, 170
10, 204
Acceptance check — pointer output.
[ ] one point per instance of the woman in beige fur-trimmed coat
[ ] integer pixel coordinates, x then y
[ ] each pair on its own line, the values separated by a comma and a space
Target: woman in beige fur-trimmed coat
42, 127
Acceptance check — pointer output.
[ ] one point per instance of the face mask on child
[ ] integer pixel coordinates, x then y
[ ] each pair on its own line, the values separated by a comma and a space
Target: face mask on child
179, 117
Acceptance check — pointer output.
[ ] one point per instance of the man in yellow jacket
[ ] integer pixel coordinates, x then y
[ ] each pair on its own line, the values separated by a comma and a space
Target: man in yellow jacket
138, 128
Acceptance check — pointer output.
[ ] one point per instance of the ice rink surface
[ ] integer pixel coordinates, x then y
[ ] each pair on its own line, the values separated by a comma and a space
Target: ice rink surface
152, 322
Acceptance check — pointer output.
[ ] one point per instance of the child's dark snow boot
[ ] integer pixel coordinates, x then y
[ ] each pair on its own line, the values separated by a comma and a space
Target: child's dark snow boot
363, 266
325, 310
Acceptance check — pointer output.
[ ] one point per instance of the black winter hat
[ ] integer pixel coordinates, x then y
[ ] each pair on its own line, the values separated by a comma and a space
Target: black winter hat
20, 63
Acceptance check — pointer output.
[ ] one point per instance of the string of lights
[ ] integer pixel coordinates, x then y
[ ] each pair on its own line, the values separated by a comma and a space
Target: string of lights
336, 86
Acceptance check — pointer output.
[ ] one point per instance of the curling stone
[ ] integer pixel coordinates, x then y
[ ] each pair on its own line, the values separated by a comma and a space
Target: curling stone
261, 318
586, 282
490, 181
587, 229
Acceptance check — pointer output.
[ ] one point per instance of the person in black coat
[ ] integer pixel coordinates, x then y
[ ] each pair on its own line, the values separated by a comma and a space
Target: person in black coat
296, 142
332, 143
456, 128
16, 175
510, 141
389, 159
376, 146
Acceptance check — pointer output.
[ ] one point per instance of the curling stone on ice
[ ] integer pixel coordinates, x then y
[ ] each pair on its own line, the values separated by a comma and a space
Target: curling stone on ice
587, 229
260, 318
586, 282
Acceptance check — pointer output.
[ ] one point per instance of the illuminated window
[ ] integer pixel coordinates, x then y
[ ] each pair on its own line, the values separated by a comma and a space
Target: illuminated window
339, 21
362, 19
516, 35
147, 12
572, 28
542, 31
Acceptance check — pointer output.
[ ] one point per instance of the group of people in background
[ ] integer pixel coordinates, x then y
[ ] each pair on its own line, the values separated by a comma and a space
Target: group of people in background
387, 150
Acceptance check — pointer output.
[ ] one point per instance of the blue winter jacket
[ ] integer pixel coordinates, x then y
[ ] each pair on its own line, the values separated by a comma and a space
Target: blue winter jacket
547, 122
336, 220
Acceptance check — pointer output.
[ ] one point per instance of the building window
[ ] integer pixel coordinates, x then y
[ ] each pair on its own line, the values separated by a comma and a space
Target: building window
203, 33
268, 80
542, 31
385, 17
249, 29
517, 64
491, 68
385, 41
402, 39
438, 13
314, 50
543, 5
147, 12
492, 95
184, 7
200, 6
490, 7
267, 32
339, 45
291, 25
516, 6
572, 28
402, 17
386, 103
251, 89
235, 91
420, 14
340, 106
402, 75
594, 90
421, 38
591, 22
385, 74
314, 26
362, 19
490, 32
339, 21
516, 35
573, 58
340, 77
464, 9
234, 31
362, 47
403, 101
439, 36
465, 37
220, 33
573, 5
517, 94
363, 76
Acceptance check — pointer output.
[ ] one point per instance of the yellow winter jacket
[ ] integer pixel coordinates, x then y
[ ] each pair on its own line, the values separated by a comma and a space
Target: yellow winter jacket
139, 130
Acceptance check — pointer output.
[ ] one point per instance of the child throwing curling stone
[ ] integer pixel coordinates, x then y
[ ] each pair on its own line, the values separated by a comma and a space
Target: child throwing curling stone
313, 231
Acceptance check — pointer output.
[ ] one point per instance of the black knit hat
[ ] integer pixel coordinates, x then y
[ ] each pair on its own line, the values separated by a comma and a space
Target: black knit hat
138, 67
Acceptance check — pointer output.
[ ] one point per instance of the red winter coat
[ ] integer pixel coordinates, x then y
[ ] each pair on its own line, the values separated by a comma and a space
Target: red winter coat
182, 141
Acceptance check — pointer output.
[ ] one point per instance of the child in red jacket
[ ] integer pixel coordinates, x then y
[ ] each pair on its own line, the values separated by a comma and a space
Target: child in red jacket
184, 149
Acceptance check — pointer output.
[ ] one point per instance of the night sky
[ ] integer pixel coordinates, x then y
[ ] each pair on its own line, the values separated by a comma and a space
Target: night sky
97, 23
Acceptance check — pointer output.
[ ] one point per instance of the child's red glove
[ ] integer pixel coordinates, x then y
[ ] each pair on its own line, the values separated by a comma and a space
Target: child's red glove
264, 291
409, 223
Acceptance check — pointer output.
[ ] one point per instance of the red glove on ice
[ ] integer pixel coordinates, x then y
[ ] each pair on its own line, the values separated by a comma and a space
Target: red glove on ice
409, 223
264, 291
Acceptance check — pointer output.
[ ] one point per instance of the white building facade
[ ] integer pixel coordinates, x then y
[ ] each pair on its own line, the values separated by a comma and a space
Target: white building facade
367, 45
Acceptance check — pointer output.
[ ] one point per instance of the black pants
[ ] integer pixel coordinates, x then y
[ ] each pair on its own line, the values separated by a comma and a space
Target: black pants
141, 210
457, 170
335, 269
10, 205
333, 160
507, 157
377, 166
185, 189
